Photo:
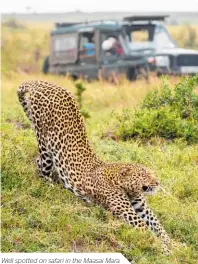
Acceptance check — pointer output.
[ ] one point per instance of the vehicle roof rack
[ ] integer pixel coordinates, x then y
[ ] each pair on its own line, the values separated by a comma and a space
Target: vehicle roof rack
86, 22
66, 24
145, 18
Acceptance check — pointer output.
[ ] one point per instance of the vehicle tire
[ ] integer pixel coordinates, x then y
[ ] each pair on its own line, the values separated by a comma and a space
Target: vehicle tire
74, 77
46, 65
159, 74
132, 74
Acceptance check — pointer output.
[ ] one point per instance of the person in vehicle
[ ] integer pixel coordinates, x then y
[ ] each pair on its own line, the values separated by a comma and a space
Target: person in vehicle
112, 46
90, 47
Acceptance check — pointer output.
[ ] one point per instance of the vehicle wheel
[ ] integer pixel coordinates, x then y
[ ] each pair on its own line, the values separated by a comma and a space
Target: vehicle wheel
46, 65
159, 74
74, 77
132, 74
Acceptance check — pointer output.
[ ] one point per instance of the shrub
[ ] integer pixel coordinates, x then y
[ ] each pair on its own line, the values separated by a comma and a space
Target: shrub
169, 113
80, 90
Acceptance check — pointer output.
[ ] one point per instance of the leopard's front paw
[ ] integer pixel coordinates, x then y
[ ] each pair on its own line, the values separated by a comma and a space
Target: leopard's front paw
178, 245
165, 250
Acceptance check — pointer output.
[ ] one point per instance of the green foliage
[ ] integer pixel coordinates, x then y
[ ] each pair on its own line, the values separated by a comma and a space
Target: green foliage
80, 89
37, 217
168, 113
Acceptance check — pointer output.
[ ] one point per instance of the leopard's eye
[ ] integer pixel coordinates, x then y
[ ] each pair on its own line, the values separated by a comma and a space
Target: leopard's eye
144, 188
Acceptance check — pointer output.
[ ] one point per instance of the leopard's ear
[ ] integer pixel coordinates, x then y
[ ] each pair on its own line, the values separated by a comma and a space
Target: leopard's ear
125, 171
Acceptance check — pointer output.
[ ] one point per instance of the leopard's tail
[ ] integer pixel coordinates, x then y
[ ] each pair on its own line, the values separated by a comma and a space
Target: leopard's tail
22, 91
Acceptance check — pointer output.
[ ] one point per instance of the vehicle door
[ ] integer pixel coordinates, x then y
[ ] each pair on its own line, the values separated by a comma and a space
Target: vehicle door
88, 52
111, 59
63, 49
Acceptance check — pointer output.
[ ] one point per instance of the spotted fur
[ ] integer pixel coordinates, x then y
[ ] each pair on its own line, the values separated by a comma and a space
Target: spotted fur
64, 147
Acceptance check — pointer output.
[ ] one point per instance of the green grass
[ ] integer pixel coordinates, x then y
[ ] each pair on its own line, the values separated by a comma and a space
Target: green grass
41, 218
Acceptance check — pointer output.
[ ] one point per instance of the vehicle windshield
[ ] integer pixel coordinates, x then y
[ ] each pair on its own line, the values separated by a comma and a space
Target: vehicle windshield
162, 38
155, 36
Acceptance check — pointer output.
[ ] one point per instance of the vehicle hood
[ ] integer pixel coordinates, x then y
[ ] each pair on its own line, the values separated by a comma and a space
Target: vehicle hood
141, 45
176, 51
147, 48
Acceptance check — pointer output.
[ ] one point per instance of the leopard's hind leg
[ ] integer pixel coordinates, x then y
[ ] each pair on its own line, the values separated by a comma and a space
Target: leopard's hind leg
45, 163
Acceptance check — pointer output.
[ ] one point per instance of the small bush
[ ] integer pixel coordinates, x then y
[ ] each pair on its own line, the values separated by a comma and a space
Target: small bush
80, 88
168, 113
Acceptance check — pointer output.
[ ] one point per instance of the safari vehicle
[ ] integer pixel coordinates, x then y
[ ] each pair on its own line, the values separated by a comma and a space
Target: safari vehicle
150, 32
76, 49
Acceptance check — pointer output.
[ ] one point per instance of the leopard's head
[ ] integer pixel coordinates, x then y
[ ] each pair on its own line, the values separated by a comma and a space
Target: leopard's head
139, 179
150, 184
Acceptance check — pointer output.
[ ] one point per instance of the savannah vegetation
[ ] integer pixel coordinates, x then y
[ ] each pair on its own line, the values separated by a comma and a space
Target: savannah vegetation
37, 217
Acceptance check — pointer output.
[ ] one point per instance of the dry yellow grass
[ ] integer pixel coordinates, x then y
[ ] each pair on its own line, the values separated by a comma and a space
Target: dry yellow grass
185, 35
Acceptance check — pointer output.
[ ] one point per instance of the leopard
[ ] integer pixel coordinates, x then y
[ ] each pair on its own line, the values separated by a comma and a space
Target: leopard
64, 147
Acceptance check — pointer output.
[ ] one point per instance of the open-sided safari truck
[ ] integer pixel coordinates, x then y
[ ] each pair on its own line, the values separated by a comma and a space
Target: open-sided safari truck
150, 32
81, 50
